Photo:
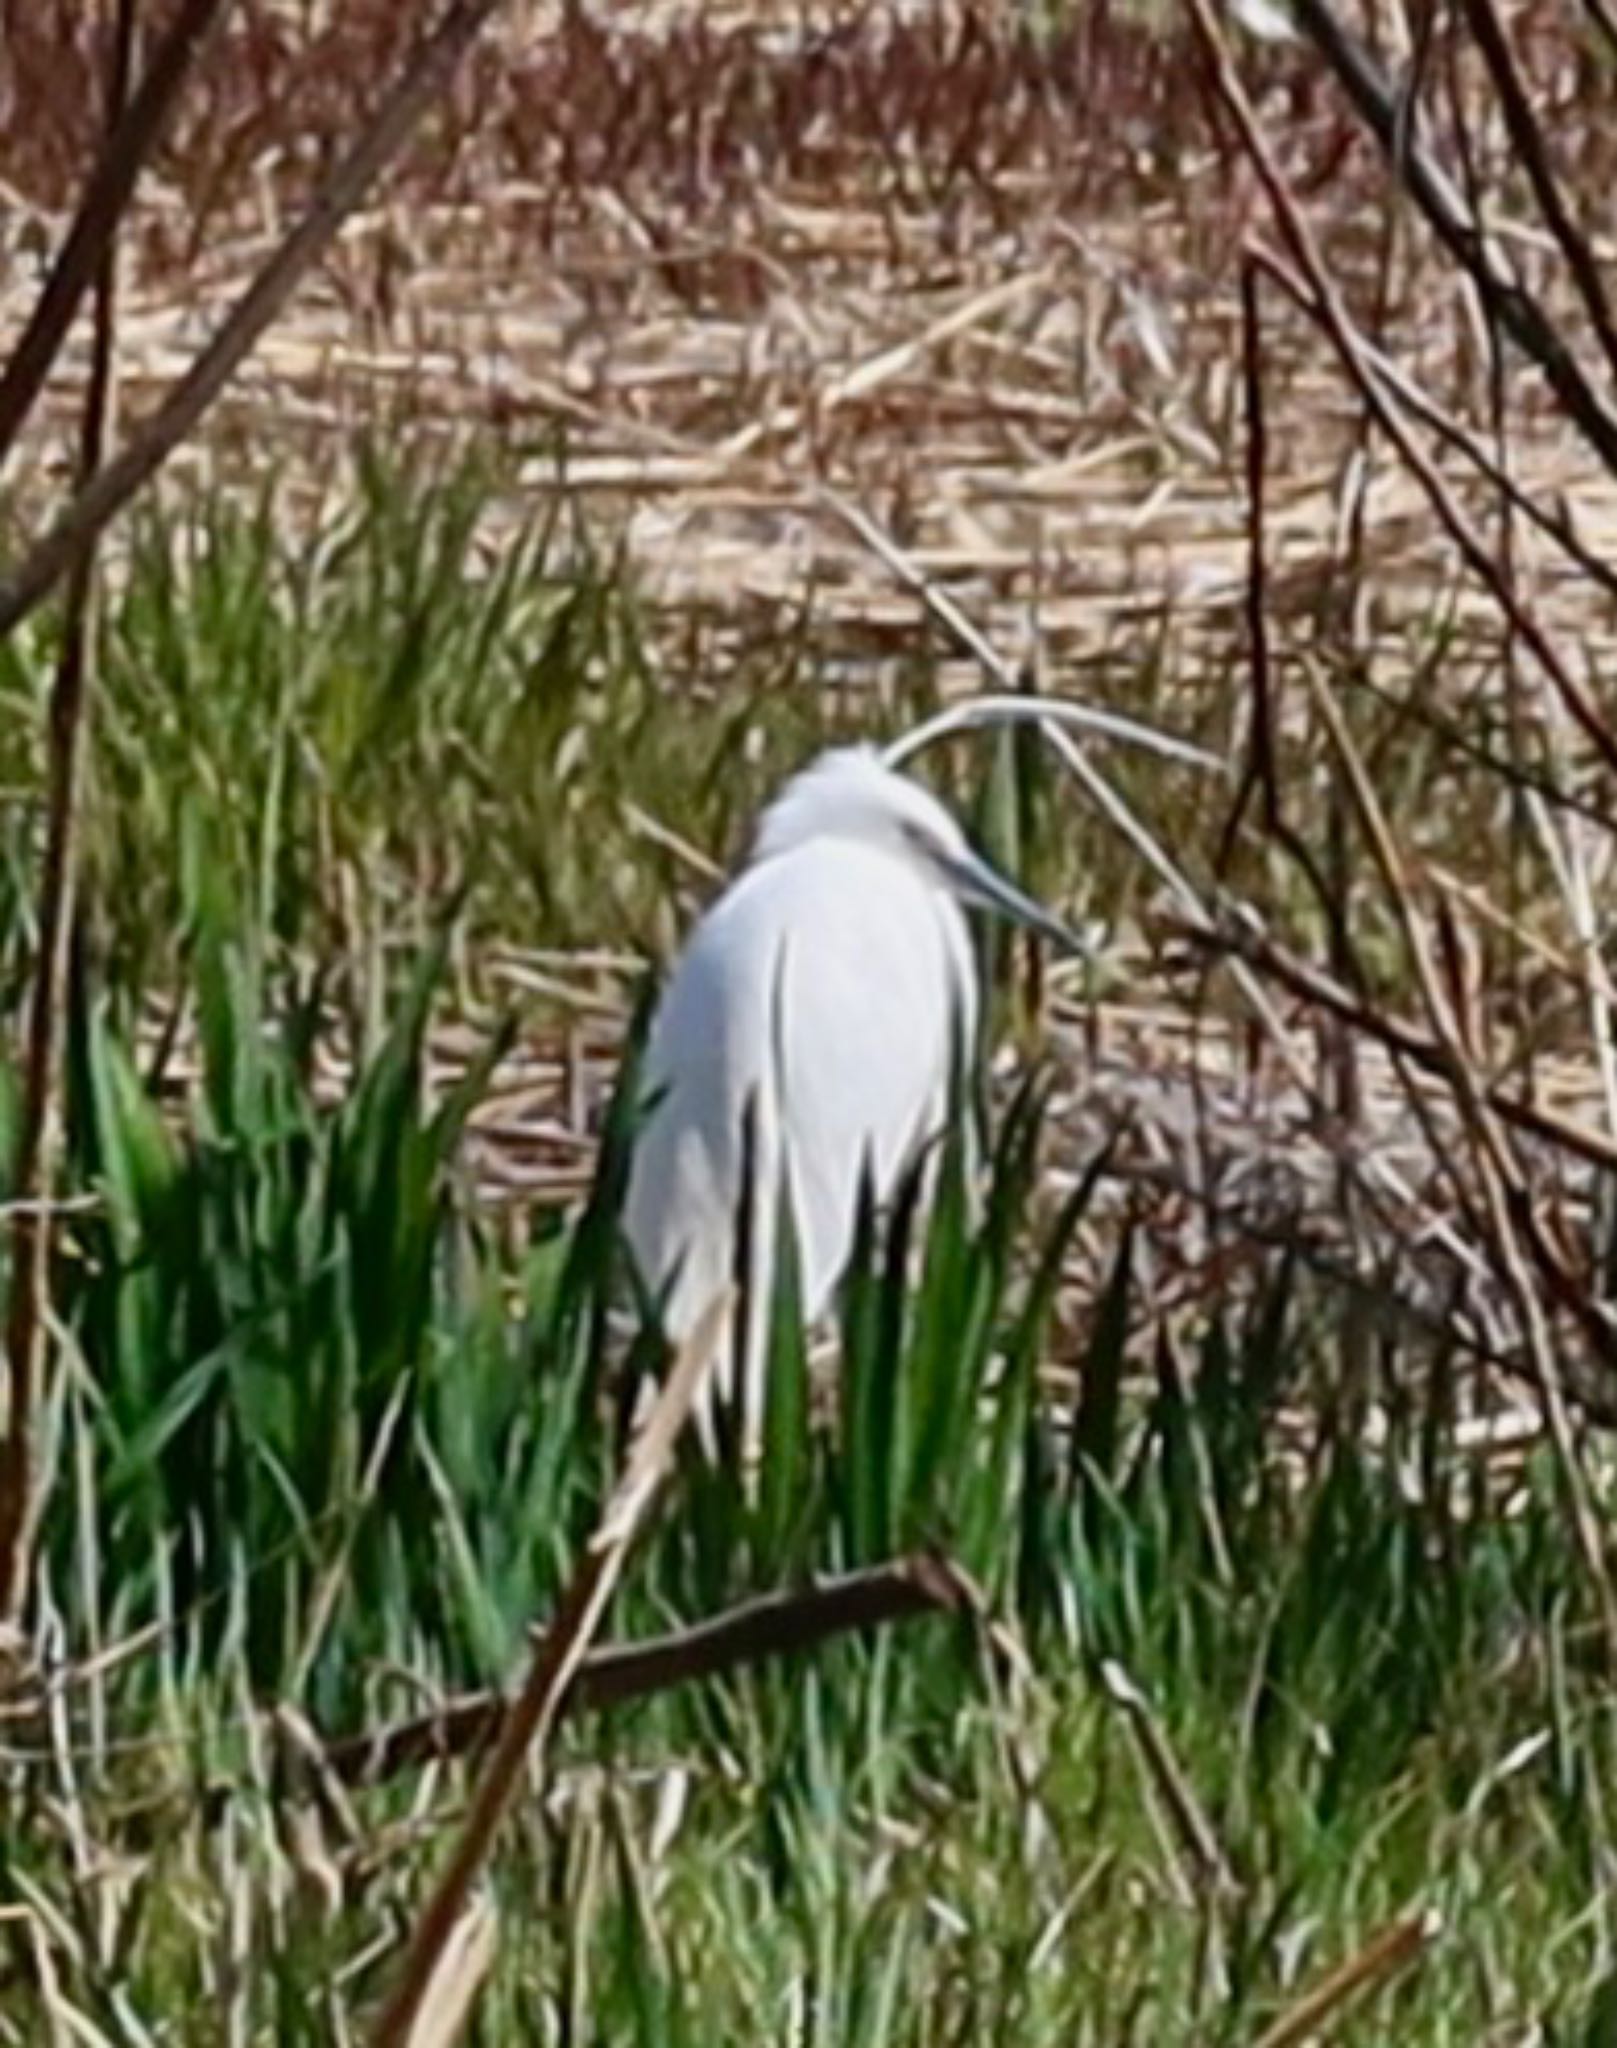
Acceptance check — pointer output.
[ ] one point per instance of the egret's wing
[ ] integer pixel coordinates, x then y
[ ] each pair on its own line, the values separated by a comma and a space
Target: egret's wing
827, 986
878, 962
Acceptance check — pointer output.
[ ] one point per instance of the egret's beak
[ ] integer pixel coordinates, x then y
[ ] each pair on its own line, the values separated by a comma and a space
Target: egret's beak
977, 883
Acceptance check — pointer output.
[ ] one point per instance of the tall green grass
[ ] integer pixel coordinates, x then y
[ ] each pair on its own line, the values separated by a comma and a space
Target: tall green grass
321, 1436
306, 1433
429, 683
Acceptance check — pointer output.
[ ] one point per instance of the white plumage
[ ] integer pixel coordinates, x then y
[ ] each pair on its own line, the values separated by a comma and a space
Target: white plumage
826, 988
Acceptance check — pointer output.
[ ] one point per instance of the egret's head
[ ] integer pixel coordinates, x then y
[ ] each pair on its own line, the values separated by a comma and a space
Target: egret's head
848, 794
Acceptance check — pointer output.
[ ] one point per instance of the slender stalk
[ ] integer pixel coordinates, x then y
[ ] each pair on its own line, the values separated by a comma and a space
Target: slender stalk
1245, 942
1196, 1836
1385, 110
1513, 1228
133, 132
1527, 139
39, 1136
557, 1659
1580, 702
1399, 387
1260, 773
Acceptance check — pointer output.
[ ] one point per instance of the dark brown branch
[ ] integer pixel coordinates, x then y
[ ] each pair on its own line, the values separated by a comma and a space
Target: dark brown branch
1262, 761
1402, 388
1527, 139
1261, 772
1385, 111
773, 1625
132, 135
1408, 1041
37, 1142
1605, 23
106, 494
777, 1625
1579, 701
1258, 771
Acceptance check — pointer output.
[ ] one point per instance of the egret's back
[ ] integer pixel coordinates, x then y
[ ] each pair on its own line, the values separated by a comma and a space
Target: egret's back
827, 989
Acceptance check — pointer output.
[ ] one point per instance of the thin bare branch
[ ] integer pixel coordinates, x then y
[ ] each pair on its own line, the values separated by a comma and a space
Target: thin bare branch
1258, 776
777, 1625
1507, 1205
1579, 701
612, 1675
1386, 110
1192, 1827
1403, 389
32, 1232
105, 495
1247, 943
1527, 139
132, 135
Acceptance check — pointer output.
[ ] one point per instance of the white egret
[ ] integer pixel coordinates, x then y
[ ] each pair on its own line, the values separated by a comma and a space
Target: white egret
806, 1036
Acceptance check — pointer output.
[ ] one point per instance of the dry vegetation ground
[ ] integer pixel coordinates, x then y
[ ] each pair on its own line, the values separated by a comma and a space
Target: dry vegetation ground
977, 269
